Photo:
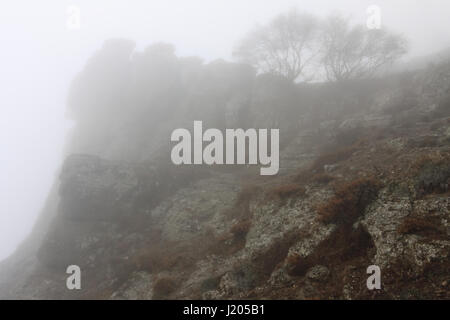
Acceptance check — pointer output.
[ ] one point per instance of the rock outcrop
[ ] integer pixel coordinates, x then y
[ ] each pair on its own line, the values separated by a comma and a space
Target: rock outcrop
356, 188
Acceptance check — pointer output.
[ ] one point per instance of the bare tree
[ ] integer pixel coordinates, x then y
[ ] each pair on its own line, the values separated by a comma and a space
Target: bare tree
286, 46
355, 52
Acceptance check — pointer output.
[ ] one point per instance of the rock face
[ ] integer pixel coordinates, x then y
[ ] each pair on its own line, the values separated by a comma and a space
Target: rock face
216, 237
92, 189
351, 193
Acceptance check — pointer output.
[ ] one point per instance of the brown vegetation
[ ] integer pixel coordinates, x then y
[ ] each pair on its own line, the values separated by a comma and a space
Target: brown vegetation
349, 201
421, 226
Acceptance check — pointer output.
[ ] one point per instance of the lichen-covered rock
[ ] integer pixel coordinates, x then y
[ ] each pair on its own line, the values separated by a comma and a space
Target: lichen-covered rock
318, 273
154, 230
93, 189
194, 209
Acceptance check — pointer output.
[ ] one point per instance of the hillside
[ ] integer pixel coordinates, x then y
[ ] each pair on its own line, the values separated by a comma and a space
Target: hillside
364, 180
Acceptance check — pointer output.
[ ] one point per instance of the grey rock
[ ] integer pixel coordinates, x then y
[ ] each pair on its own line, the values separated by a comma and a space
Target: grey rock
318, 273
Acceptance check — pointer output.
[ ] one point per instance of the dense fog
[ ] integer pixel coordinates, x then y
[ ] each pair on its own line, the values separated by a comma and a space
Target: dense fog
42, 52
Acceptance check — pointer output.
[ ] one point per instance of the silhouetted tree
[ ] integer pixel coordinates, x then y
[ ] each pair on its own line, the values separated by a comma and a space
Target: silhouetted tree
286, 46
355, 52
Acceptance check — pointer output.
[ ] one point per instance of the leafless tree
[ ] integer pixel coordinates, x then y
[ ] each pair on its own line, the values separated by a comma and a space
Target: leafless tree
286, 46
355, 52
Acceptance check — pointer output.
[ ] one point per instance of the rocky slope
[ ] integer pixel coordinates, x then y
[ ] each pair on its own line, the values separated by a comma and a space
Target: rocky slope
364, 188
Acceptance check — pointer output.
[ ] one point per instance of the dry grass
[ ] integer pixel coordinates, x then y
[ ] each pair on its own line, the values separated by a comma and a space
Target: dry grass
349, 201
420, 226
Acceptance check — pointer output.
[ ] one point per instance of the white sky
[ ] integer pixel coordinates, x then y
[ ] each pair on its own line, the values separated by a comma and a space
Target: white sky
40, 55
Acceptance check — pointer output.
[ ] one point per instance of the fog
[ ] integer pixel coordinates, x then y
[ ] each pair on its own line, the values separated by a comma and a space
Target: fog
40, 56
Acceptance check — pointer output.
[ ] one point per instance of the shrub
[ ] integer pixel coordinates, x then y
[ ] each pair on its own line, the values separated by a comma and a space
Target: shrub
420, 226
349, 201
297, 265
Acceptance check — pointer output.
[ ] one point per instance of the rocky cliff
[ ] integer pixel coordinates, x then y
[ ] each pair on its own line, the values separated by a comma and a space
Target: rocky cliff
364, 181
